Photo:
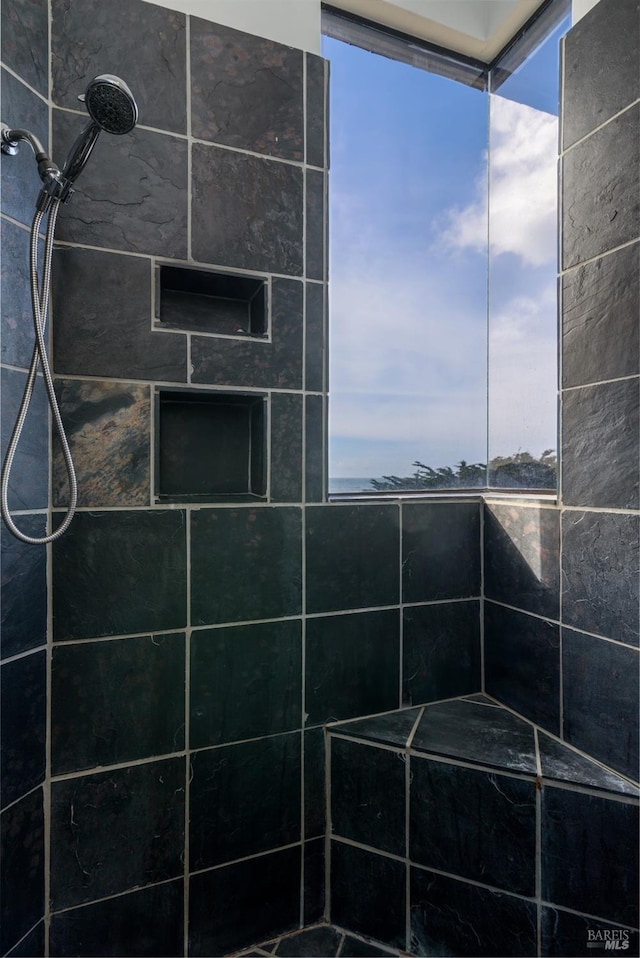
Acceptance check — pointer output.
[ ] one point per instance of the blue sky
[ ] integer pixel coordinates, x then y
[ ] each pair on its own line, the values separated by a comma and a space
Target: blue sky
408, 265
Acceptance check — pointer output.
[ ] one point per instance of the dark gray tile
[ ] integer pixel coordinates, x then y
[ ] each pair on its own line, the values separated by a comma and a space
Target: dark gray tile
25, 41
600, 177
276, 364
93, 339
286, 447
368, 894
522, 664
560, 763
314, 449
440, 551
391, 729
23, 596
481, 735
601, 445
593, 90
132, 194
474, 824
108, 428
223, 778
245, 564
565, 935
147, 48
440, 651
450, 917
120, 572
23, 702
314, 783
148, 922
322, 941
522, 557
317, 70
105, 699
31, 945
19, 174
601, 686
352, 557
600, 553
16, 341
246, 91
315, 225
589, 854
368, 795
28, 485
315, 337
314, 881
21, 869
355, 948
246, 681
115, 830
255, 900
600, 306
352, 665
247, 211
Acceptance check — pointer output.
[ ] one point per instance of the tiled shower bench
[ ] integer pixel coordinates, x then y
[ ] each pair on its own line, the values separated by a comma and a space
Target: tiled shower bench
461, 829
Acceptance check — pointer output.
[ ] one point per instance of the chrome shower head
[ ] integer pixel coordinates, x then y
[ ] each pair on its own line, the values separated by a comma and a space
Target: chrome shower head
110, 104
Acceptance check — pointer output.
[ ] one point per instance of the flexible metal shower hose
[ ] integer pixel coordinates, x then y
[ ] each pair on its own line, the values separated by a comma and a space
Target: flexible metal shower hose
40, 306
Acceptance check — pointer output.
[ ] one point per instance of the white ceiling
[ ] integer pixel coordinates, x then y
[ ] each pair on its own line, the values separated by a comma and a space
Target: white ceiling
476, 28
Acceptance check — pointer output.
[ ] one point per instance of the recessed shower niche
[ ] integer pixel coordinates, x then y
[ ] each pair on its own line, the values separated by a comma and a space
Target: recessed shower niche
210, 446
207, 301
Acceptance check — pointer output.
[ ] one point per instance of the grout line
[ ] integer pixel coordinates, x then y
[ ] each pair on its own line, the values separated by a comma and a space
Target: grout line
408, 744
482, 601
599, 382
597, 129
23, 655
328, 826
26, 935
31, 791
187, 732
246, 858
341, 945
187, 38
407, 825
538, 851
402, 603
47, 789
120, 894
562, 625
594, 259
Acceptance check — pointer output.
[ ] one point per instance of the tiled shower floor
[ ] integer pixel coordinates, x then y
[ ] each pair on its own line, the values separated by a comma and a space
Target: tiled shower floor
320, 941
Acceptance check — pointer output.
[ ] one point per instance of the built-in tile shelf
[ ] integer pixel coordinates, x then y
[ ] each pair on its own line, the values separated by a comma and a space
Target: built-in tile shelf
208, 301
210, 446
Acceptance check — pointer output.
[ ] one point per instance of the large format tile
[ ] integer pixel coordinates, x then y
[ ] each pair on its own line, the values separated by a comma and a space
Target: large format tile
148, 922
441, 651
25, 41
17, 339
105, 698
255, 900
451, 917
314, 783
23, 704
593, 91
561, 763
321, 942
145, 47
315, 225
317, 70
368, 894
223, 778
21, 184
601, 445
245, 564
286, 447
246, 91
247, 211
565, 935
28, 484
314, 337
368, 795
600, 556
21, 868
314, 880
601, 192
116, 830
440, 551
108, 429
600, 306
246, 681
522, 664
474, 824
314, 448
132, 195
477, 734
393, 728
590, 854
352, 557
352, 665
120, 572
522, 557
600, 700
23, 595
103, 318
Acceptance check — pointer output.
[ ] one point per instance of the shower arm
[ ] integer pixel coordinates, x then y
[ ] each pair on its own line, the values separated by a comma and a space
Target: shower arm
10, 141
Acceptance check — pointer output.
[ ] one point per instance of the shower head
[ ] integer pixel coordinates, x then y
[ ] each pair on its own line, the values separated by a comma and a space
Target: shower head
110, 104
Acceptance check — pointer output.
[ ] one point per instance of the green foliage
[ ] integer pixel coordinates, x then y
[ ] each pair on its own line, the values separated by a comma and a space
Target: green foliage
519, 471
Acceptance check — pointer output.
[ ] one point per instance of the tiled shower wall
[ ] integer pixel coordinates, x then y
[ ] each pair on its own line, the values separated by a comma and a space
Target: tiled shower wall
562, 616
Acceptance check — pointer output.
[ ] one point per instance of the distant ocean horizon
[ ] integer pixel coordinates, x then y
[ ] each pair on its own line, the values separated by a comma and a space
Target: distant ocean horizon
350, 484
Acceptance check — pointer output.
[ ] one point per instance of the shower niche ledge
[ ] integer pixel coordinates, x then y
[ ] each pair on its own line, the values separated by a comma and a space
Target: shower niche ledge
210, 446
210, 301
